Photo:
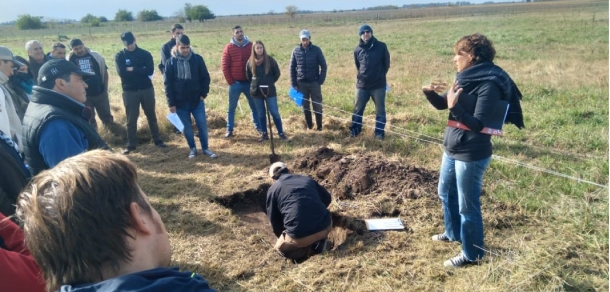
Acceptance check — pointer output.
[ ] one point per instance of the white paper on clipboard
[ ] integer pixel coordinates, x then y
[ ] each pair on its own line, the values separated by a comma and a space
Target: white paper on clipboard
175, 120
384, 224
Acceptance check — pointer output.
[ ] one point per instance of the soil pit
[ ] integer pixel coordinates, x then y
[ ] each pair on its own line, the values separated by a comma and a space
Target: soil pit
249, 206
347, 177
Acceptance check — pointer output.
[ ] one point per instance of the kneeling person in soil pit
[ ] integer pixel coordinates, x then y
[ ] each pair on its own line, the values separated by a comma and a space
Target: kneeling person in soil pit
297, 209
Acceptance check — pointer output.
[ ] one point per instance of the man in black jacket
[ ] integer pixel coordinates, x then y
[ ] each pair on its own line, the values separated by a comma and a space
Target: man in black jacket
135, 67
372, 60
307, 74
187, 83
297, 209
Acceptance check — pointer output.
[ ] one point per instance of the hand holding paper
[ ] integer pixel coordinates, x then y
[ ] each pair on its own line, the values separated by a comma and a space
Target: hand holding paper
175, 120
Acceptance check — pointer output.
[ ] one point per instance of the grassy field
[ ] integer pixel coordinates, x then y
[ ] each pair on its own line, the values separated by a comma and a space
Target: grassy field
545, 214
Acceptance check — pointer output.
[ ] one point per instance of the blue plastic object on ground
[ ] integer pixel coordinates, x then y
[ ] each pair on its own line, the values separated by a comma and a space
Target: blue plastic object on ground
296, 96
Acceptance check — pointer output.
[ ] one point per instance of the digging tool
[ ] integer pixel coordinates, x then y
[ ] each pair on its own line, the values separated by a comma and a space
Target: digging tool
272, 157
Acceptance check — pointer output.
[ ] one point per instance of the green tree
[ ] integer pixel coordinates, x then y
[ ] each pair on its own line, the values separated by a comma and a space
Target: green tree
123, 15
291, 10
89, 18
199, 12
187, 11
103, 19
149, 15
29, 22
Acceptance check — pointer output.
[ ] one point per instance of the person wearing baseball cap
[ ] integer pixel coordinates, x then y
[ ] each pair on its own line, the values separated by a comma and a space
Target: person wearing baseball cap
10, 123
135, 67
56, 123
307, 74
297, 209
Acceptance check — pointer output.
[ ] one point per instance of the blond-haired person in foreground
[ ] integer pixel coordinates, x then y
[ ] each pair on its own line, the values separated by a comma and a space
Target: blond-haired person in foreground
90, 227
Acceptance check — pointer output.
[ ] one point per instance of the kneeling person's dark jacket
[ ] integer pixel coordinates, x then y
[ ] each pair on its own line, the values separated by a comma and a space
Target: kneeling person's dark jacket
297, 204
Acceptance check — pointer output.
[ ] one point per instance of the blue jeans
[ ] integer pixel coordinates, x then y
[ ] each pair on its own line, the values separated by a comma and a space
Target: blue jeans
234, 91
273, 110
362, 97
198, 113
459, 188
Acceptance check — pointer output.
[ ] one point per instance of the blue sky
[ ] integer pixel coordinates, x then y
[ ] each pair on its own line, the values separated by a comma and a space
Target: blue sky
76, 9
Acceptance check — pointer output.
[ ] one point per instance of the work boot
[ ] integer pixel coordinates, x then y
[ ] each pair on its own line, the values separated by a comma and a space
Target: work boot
319, 121
308, 119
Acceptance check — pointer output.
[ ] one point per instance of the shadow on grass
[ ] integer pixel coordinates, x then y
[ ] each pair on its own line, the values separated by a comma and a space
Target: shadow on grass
178, 220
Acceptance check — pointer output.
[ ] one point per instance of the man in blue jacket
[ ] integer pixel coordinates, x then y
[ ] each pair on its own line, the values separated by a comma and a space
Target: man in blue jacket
92, 228
56, 122
307, 74
187, 83
372, 60
297, 209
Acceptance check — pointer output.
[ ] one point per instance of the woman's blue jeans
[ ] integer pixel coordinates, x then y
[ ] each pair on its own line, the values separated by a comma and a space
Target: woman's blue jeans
198, 113
273, 110
459, 188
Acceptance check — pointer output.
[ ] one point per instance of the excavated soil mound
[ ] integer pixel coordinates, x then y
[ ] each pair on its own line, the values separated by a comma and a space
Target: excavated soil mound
349, 176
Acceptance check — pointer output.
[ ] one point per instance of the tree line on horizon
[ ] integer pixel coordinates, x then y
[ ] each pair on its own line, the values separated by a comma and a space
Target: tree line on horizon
189, 13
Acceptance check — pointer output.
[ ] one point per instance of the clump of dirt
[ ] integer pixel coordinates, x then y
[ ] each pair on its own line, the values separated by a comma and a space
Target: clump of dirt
349, 176
215, 120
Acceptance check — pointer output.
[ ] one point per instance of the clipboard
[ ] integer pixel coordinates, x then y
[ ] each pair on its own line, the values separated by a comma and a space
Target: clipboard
384, 224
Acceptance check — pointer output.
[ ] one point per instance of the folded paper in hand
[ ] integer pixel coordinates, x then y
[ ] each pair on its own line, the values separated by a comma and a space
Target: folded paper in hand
175, 120
384, 224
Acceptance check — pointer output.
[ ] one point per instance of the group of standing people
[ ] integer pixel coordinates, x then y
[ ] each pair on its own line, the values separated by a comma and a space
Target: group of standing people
128, 248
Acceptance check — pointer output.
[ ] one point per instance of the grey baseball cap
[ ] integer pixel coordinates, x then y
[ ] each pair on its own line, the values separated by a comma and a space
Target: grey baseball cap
7, 55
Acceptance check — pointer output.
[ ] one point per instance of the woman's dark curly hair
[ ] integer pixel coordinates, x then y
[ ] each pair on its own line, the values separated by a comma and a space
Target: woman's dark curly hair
477, 45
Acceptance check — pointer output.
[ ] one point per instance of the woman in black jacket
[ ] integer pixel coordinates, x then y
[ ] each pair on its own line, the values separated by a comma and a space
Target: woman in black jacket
479, 88
262, 70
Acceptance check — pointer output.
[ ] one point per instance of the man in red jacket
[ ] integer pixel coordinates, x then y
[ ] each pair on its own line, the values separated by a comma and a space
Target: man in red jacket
234, 58
19, 270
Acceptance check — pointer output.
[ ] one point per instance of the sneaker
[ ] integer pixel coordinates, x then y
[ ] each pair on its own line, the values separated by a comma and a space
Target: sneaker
229, 134
459, 260
283, 137
379, 136
264, 136
193, 153
160, 144
209, 153
128, 150
441, 237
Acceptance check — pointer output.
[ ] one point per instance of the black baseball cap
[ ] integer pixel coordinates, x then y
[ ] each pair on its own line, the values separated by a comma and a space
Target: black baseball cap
128, 38
56, 68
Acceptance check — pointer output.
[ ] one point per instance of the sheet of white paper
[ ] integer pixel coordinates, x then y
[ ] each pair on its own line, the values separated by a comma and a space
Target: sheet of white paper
175, 120
384, 224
